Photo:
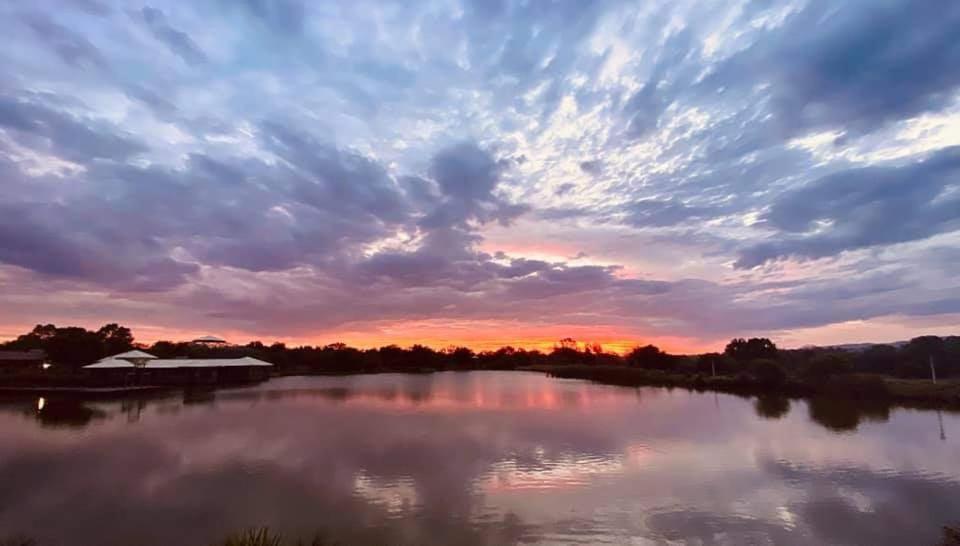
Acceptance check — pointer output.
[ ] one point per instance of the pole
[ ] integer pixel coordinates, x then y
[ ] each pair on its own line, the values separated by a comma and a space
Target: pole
713, 367
933, 371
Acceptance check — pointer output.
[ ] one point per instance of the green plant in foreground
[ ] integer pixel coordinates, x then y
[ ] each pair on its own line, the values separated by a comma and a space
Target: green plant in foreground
264, 537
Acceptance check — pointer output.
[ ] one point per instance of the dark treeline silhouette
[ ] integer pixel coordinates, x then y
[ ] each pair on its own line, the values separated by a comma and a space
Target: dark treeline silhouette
73, 347
749, 366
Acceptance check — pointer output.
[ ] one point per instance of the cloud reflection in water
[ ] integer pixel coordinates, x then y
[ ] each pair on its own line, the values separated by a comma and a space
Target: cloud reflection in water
475, 458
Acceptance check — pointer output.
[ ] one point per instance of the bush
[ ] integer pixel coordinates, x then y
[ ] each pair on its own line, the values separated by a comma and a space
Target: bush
650, 357
823, 366
858, 386
768, 372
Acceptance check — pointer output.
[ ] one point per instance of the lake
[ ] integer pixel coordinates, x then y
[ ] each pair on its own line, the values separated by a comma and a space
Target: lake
475, 458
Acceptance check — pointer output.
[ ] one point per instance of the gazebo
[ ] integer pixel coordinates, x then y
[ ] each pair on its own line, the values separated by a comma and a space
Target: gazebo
138, 367
209, 340
139, 359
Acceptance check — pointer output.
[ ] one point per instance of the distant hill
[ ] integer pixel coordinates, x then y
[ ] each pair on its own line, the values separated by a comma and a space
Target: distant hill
856, 347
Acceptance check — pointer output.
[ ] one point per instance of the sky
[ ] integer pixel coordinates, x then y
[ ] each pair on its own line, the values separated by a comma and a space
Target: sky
482, 172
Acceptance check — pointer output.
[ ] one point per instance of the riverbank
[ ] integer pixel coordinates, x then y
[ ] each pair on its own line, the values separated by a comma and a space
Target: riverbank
84, 391
873, 387
910, 392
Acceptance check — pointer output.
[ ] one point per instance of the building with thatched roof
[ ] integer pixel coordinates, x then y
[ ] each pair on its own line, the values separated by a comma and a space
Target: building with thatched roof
22, 362
139, 367
209, 340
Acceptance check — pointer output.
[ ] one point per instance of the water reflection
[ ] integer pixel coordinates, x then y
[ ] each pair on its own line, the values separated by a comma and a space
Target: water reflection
843, 415
475, 458
772, 406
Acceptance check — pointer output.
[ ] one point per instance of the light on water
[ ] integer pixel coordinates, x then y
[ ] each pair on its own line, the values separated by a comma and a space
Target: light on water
475, 458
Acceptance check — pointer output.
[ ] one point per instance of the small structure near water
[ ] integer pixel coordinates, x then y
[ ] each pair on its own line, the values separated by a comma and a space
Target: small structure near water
142, 368
212, 341
22, 362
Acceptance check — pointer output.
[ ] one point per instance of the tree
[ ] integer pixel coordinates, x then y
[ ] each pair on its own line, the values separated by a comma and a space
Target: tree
768, 372
594, 348
116, 338
74, 347
825, 365
460, 357
745, 350
709, 363
878, 359
650, 357
926, 352
35, 339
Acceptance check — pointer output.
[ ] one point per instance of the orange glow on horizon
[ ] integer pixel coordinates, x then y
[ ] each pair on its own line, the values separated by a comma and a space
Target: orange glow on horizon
492, 335
487, 335
437, 334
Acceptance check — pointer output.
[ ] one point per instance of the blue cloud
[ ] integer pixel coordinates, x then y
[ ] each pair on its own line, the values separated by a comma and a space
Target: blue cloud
178, 41
861, 208
391, 148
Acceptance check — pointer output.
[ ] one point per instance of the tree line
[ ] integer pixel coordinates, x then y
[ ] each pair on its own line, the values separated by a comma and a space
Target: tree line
73, 347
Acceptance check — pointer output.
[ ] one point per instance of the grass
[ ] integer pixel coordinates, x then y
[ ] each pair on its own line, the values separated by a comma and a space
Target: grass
910, 392
951, 536
264, 537
944, 390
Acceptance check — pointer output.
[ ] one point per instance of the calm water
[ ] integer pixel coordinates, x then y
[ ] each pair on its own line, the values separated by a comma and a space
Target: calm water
475, 458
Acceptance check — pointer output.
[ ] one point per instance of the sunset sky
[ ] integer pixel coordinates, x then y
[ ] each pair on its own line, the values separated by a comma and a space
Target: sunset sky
482, 172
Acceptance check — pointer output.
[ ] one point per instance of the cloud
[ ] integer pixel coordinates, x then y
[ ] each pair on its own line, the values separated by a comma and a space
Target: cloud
388, 161
51, 240
281, 15
92, 7
854, 66
69, 136
593, 166
467, 176
71, 47
178, 41
661, 213
862, 208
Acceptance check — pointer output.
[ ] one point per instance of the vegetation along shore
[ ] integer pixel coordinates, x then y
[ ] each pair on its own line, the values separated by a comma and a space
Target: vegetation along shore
924, 371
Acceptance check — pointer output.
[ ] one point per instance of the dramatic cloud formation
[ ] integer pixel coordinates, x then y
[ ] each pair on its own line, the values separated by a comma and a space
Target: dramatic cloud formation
482, 172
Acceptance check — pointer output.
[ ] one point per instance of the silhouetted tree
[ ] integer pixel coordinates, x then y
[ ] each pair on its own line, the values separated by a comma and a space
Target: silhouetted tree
709, 362
116, 338
918, 354
745, 350
768, 372
460, 357
74, 347
649, 356
825, 365
877, 359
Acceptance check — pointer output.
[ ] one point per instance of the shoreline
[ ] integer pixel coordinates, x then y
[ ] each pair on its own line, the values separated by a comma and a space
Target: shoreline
915, 393
912, 393
83, 390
